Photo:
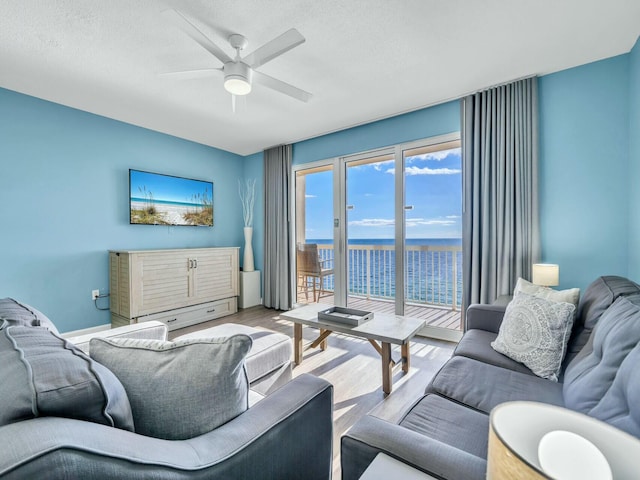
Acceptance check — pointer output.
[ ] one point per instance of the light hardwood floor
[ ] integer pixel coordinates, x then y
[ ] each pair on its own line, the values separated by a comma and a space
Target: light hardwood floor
354, 368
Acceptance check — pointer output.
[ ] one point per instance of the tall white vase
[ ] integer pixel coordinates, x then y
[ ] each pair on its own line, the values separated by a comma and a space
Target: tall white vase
247, 262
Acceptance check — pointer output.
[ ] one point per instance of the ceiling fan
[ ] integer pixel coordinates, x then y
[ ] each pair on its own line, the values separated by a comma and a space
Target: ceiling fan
240, 72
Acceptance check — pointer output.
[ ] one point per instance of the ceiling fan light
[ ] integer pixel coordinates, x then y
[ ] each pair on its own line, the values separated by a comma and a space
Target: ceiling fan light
237, 85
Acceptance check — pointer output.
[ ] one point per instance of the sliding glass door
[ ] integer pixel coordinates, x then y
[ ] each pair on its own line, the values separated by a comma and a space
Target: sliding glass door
355, 216
370, 230
314, 231
433, 233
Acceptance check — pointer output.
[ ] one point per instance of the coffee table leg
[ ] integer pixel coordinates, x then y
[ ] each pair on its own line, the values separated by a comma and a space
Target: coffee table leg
297, 343
323, 344
387, 368
406, 359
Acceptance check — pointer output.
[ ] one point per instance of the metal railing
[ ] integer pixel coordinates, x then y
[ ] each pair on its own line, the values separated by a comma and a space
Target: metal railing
433, 273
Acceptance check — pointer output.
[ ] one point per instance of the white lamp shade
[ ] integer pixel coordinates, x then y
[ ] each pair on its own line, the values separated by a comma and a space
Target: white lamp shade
546, 274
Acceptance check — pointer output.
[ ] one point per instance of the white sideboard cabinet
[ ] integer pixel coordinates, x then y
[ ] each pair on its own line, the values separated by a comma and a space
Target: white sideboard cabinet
179, 287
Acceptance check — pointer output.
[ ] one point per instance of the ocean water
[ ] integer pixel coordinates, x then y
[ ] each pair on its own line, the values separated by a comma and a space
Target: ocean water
431, 277
391, 241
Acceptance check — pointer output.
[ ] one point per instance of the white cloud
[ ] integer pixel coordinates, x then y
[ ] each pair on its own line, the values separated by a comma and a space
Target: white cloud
453, 216
410, 222
427, 171
378, 165
373, 222
436, 156
414, 222
310, 196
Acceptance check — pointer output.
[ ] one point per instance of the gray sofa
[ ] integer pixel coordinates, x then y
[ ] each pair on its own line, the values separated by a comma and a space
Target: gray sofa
445, 432
268, 440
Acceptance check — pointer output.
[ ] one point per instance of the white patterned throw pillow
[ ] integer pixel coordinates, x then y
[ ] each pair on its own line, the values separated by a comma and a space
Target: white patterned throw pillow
535, 332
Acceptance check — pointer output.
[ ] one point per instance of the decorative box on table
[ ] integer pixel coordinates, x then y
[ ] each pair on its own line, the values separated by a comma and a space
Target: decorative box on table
344, 315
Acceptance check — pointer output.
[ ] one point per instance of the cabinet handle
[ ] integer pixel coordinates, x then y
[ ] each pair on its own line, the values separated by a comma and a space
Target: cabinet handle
211, 311
172, 320
195, 262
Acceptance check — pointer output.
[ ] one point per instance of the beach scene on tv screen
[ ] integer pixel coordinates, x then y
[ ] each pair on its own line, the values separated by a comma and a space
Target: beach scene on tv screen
165, 200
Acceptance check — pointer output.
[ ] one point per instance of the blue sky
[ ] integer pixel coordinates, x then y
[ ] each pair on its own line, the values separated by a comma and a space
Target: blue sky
433, 187
167, 188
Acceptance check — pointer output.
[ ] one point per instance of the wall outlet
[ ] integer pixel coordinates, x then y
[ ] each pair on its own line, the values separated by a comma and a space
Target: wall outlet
95, 294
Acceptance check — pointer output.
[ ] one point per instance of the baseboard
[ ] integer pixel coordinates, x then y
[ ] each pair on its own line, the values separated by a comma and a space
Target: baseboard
86, 331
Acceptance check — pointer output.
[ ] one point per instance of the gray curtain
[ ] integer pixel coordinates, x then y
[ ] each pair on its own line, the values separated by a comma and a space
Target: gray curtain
277, 254
501, 236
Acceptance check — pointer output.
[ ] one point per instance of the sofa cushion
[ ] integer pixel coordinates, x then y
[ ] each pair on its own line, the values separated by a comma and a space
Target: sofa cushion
483, 386
182, 389
44, 375
535, 332
269, 352
17, 313
619, 406
595, 382
570, 295
450, 423
476, 344
597, 298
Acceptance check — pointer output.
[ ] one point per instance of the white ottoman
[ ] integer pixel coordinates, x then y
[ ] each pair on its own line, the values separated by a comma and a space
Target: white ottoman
269, 360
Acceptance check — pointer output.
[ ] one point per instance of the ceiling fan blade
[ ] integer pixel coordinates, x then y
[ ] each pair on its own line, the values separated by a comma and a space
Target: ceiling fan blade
276, 47
181, 22
203, 72
282, 87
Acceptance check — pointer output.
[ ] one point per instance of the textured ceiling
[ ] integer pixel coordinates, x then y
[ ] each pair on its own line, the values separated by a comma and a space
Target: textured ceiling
362, 60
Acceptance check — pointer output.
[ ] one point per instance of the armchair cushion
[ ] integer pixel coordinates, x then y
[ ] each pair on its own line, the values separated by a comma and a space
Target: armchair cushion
16, 313
179, 390
44, 375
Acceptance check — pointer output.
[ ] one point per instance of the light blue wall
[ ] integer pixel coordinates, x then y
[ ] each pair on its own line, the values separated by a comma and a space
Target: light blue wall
634, 160
417, 125
584, 170
64, 202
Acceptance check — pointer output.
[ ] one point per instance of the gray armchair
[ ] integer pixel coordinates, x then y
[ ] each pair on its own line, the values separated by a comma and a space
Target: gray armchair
288, 435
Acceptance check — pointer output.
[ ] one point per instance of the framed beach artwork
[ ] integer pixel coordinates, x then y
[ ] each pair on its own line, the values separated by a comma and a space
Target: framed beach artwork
156, 199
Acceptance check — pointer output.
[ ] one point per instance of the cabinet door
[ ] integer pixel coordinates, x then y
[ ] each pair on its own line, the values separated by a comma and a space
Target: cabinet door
216, 274
163, 280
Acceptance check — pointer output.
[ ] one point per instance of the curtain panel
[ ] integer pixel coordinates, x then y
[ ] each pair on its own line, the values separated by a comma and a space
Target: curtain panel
277, 219
501, 238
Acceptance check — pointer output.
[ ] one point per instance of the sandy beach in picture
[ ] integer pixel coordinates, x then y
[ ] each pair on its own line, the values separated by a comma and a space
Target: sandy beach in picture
170, 214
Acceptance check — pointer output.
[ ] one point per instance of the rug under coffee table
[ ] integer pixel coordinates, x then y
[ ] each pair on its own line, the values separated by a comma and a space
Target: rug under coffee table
383, 328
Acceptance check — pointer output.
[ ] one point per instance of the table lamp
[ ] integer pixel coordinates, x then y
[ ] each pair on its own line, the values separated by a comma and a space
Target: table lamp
546, 274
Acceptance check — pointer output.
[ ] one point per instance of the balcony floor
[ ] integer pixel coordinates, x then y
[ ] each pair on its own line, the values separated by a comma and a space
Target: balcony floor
435, 316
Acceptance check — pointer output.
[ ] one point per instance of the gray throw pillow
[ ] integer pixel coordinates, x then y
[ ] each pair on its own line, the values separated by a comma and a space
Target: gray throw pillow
42, 374
535, 332
182, 389
570, 295
16, 313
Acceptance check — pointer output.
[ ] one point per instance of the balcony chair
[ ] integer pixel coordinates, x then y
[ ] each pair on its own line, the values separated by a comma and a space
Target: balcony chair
311, 270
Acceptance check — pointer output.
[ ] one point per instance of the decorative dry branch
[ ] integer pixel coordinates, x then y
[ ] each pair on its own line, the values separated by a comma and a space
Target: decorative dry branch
247, 191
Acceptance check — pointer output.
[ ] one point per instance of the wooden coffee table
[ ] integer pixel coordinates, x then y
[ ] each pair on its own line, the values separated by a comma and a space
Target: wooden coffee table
386, 329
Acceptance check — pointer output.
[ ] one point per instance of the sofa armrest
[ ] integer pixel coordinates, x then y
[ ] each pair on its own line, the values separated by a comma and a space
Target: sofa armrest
371, 435
152, 330
485, 317
288, 434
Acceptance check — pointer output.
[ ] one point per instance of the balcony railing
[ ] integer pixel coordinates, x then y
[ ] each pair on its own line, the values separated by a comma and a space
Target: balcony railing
433, 273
